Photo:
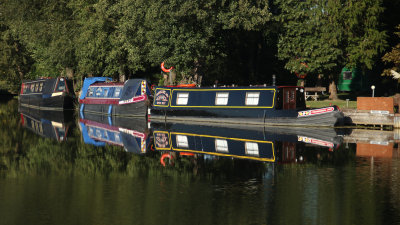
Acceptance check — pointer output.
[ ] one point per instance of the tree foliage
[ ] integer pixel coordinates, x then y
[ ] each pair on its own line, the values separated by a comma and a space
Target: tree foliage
330, 34
393, 58
240, 42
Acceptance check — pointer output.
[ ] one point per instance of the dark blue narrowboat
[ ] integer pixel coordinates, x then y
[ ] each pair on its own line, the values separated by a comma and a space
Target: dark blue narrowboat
103, 96
55, 125
47, 94
130, 133
260, 105
268, 144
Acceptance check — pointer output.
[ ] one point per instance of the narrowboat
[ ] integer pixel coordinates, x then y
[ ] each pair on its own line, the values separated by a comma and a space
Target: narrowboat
55, 125
47, 94
256, 105
103, 96
130, 133
267, 144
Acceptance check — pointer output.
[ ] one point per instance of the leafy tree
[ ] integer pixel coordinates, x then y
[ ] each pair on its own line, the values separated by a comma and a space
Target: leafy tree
393, 57
97, 47
15, 59
193, 36
330, 34
46, 28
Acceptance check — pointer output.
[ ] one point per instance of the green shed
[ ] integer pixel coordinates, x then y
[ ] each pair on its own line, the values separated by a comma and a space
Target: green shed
351, 80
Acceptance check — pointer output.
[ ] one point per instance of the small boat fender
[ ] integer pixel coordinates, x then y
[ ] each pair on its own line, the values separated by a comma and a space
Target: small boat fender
186, 153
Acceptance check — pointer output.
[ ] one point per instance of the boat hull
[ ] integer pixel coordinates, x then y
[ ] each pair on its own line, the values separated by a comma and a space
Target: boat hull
57, 103
249, 117
138, 109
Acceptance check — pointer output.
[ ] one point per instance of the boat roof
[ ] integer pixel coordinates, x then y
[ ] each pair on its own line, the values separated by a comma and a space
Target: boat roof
107, 84
91, 80
41, 79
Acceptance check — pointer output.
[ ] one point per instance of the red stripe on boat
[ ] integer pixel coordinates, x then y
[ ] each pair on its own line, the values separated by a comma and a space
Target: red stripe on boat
99, 125
99, 101
134, 99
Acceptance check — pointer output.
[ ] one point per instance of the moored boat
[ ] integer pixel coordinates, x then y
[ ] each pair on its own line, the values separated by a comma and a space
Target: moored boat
55, 125
256, 105
268, 144
101, 95
47, 94
130, 133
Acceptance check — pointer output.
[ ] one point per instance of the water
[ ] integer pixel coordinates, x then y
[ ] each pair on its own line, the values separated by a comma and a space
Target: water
60, 179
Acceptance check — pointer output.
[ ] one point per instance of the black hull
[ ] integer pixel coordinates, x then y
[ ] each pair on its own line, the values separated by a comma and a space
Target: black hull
270, 117
274, 144
56, 116
276, 133
138, 109
49, 124
57, 103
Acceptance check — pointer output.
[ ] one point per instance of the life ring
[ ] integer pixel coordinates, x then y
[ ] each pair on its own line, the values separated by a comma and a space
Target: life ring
166, 70
165, 155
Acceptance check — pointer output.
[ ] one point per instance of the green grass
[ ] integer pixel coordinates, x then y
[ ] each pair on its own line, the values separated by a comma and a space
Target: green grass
341, 103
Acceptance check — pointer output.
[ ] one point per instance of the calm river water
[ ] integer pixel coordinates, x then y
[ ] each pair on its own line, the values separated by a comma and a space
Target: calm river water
82, 169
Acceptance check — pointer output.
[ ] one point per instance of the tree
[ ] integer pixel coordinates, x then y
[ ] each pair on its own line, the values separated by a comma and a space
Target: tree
15, 59
330, 34
46, 28
393, 58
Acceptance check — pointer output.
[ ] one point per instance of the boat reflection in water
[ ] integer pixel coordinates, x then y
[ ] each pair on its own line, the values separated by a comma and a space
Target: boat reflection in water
130, 133
268, 144
49, 124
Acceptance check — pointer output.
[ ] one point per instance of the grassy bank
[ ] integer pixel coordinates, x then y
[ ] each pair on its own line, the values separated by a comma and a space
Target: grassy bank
341, 103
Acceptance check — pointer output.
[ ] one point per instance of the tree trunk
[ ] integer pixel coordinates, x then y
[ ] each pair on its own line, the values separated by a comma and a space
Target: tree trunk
20, 72
172, 77
122, 76
69, 73
333, 91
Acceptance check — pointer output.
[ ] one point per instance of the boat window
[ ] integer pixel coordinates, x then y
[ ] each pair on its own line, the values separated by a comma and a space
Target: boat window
221, 145
117, 138
40, 86
182, 98
105, 92
90, 131
252, 98
61, 133
99, 91
98, 133
32, 87
61, 85
90, 92
105, 135
182, 141
36, 87
252, 148
221, 98
117, 92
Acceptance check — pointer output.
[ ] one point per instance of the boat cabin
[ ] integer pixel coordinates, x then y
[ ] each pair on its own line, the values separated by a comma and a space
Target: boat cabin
231, 97
128, 99
99, 134
47, 94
